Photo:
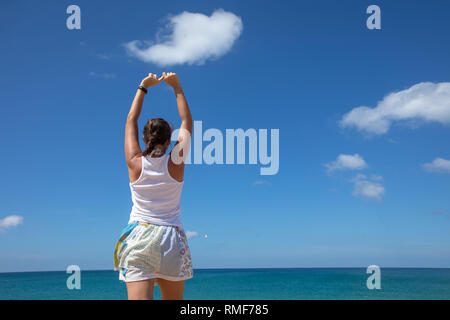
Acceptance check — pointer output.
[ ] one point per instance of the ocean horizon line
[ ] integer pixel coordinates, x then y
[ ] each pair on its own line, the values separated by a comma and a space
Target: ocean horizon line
230, 269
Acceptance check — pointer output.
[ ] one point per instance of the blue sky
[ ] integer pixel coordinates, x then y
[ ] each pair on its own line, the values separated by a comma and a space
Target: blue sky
297, 66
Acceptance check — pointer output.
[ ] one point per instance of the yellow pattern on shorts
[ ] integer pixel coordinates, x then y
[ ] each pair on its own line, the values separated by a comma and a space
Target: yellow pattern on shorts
143, 250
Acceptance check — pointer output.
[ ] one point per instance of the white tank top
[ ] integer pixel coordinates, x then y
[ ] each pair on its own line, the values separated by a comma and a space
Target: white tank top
155, 194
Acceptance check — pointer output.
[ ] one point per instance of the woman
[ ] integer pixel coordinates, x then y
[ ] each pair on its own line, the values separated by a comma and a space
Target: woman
153, 248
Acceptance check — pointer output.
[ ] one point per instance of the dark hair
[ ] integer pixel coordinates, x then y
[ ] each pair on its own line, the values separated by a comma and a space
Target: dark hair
157, 131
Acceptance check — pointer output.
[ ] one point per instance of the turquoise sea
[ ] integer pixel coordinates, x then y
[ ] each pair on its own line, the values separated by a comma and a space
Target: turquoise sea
229, 284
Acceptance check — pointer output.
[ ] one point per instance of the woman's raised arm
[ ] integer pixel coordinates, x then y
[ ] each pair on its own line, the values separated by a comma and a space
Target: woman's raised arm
181, 148
132, 148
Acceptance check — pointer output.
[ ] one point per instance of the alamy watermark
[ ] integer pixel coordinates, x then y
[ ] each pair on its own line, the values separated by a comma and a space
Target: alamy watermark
374, 20
73, 22
74, 280
241, 147
374, 280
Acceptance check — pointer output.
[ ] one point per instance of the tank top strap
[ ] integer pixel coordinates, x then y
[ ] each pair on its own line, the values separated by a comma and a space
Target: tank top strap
166, 168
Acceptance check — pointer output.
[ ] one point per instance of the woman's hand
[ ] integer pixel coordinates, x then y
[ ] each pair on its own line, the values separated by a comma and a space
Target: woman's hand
151, 80
171, 79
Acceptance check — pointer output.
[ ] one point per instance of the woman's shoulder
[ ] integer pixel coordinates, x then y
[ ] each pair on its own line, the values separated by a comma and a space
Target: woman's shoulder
175, 171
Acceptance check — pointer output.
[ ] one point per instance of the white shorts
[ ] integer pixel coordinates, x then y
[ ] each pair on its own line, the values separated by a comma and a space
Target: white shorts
148, 251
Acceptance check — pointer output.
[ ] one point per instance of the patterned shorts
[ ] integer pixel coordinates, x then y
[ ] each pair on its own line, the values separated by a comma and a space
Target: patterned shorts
149, 251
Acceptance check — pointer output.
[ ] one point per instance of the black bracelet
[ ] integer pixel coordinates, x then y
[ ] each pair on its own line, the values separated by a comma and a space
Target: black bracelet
143, 89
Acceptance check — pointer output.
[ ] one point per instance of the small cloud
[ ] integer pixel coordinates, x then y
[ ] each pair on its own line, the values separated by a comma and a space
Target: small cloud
206, 236
10, 222
261, 182
107, 56
392, 141
367, 188
191, 234
440, 212
347, 162
103, 56
438, 165
375, 177
193, 39
423, 102
107, 76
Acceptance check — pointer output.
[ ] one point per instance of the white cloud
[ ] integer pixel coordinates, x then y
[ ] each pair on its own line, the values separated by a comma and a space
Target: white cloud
375, 177
366, 188
194, 38
261, 182
425, 101
191, 234
347, 162
104, 56
10, 222
438, 165
106, 76
440, 212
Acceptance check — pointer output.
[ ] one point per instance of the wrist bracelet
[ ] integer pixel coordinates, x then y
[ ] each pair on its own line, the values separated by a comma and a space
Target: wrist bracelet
143, 89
